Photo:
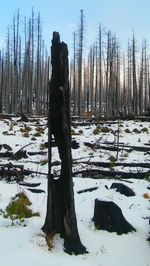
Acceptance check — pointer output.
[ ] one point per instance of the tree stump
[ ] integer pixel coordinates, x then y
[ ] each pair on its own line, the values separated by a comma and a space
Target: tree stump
123, 189
108, 216
24, 118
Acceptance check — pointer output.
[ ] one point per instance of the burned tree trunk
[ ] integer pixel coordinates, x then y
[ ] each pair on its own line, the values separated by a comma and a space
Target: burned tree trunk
61, 217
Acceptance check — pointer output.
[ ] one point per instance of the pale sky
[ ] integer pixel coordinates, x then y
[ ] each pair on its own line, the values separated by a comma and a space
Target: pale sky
119, 16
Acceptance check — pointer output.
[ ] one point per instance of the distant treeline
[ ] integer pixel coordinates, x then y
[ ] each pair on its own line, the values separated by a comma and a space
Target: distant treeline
109, 82
24, 68
106, 82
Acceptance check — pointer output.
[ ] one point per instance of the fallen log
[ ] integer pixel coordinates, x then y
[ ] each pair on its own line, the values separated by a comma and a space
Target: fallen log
11, 174
10, 165
143, 118
32, 153
115, 164
20, 154
136, 148
17, 175
97, 173
87, 190
112, 147
16, 172
29, 184
7, 116
29, 172
6, 154
93, 122
33, 190
109, 148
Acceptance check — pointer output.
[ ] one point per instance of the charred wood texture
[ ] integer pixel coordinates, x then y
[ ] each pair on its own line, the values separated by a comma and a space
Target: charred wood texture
11, 172
87, 190
25, 184
97, 174
108, 164
110, 147
35, 190
60, 216
20, 154
108, 216
123, 189
98, 146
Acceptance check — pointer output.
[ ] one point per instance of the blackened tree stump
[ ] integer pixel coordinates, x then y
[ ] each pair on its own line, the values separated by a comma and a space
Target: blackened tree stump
108, 216
61, 216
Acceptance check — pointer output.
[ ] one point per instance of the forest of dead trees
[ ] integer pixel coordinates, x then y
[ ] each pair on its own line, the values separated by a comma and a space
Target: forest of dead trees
105, 82
24, 68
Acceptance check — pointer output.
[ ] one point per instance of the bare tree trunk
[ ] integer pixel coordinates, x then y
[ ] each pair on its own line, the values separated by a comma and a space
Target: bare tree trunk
148, 88
130, 111
100, 70
16, 46
141, 83
38, 67
123, 101
80, 59
1, 81
74, 72
96, 79
145, 78
107, 75
135, 99
91, 67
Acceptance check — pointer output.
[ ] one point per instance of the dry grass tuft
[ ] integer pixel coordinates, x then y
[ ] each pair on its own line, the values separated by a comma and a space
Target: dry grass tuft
49, 240
146, 196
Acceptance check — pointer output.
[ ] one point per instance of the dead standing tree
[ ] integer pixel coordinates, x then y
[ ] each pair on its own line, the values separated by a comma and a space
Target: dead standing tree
61, 217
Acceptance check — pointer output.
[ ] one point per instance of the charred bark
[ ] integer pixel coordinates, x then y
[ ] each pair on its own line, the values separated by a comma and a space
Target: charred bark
60, 216
87, 190
124, 147
109, 164
98, 173
11, 172
123, 189
108, 216
20, 154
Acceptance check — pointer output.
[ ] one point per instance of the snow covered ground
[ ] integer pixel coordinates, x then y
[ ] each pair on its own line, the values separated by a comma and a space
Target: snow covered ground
25, 244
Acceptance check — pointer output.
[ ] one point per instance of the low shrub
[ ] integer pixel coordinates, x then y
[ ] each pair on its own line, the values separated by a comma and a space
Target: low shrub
37, 134
137, 131
44, 162
144, 129
39, 130
105, 129
44, 146
18, 208
126, 154
25, 129
112, 159
25, 135
127, 130
96, 131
